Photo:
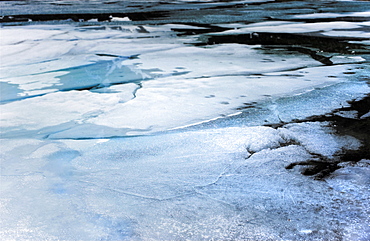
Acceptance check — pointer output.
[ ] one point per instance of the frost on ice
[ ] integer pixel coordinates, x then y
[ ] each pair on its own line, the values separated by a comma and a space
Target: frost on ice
184, 121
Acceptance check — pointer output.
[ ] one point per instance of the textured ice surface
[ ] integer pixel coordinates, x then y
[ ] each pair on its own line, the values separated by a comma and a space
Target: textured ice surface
138, 128
189, 185
115, 76
293, 27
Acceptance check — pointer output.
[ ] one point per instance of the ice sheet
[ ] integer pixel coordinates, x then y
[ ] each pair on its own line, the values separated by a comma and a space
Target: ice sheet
144, 130
152, 79
293, 27
190, 185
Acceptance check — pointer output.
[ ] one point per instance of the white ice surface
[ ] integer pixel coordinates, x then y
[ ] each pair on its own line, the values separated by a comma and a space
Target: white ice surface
176, 100
157, 86
323, 144
326, 28
348, 33
189, 185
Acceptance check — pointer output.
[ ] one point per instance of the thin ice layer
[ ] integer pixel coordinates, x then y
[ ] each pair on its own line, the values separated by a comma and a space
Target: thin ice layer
154, 82
294, 27
161, 106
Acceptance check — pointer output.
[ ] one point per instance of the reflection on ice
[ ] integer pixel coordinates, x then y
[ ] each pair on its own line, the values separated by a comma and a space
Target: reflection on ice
157, 79
97, 75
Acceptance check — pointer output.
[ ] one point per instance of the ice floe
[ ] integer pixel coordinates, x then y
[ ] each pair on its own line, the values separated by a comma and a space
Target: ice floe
106, 56
138, 128
294, 27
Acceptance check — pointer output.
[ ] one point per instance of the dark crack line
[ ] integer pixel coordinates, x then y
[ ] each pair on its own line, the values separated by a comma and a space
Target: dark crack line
320, 166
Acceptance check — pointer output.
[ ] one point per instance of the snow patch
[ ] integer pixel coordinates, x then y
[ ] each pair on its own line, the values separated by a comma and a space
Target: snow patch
262, 138
317, 138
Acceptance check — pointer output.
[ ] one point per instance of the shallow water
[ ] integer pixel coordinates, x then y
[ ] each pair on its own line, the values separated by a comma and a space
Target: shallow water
151, 120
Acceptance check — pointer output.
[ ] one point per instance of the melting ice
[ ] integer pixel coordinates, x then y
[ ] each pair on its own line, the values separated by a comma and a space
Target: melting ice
179, 127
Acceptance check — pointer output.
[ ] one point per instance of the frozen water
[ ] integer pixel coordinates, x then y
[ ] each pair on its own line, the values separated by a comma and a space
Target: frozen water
124, 121
174, 186
293, 27
96, 58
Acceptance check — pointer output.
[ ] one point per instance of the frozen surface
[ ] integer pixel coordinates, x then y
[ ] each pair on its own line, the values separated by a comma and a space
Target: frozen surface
189, 185
152, 120
116, 76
